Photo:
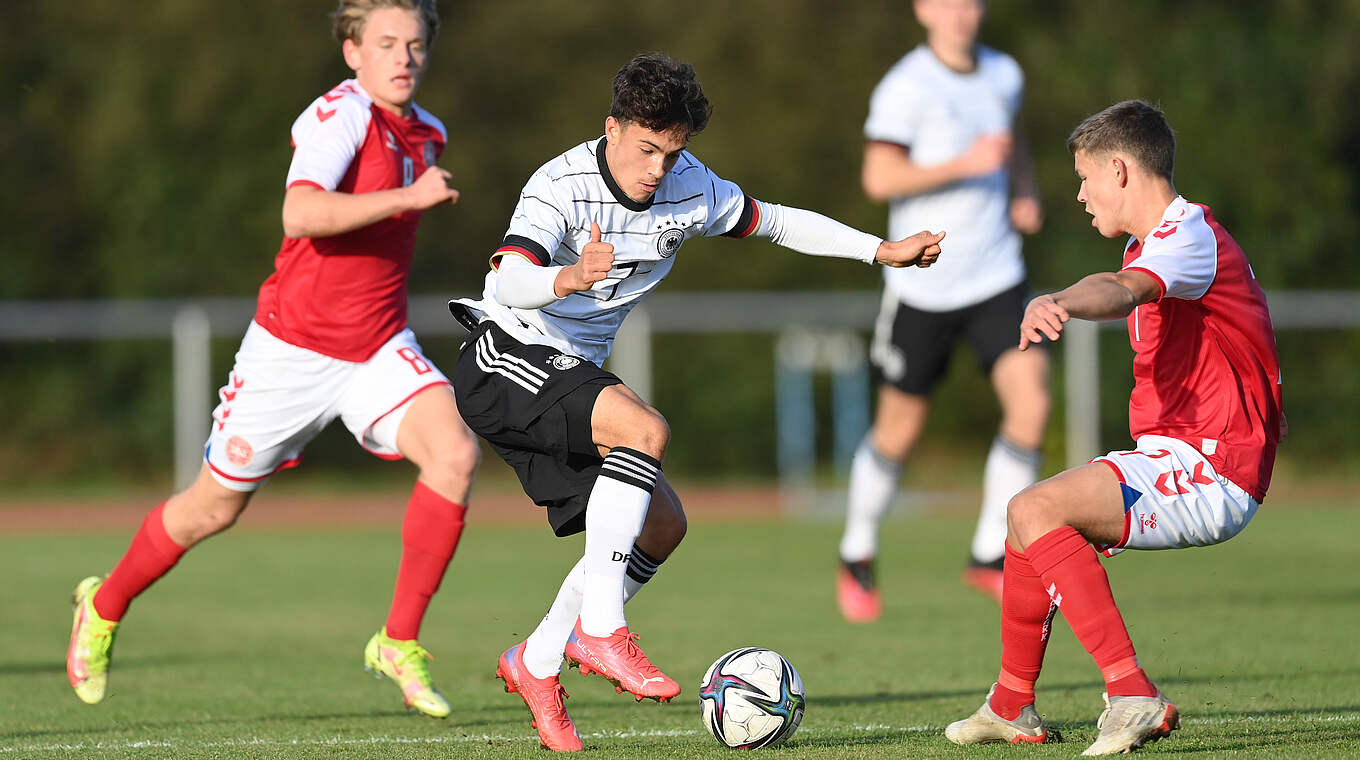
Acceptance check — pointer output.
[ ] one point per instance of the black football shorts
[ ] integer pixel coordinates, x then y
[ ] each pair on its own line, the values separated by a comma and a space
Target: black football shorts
533, 404
911, 347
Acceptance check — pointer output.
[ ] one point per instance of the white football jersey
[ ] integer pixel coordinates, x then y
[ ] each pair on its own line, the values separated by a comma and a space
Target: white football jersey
937, 113
552, 222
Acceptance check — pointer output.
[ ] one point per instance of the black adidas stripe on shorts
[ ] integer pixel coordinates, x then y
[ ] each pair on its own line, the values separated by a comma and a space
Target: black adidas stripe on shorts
533, 404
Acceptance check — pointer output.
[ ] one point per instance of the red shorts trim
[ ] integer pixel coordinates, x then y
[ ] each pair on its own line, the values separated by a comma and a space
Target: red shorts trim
1128, 524
398, 405
286, 464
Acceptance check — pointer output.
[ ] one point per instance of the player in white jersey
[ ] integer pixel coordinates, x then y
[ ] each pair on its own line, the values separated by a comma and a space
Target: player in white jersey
941, 144
595, 230
1205, 413
329, 340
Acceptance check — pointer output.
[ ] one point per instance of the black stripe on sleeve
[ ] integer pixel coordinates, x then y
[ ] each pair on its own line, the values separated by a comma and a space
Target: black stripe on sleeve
749, 220
522, 246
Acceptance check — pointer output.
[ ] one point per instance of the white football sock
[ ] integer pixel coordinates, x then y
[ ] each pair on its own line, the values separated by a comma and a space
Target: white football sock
614, 516
1010, 469
543, 648
873, 486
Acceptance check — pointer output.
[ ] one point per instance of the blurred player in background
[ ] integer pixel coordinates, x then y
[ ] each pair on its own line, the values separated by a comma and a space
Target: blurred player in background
329, 340
942, 145
597, 229
1205, 414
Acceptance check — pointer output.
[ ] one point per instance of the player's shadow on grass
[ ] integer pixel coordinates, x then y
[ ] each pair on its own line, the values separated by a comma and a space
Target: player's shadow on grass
1096, 686
841, 741
1289, 739
124, 663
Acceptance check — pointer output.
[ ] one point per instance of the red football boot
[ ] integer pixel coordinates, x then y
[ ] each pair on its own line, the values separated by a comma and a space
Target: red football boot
857, 595
621, 661
544, 697
987, 580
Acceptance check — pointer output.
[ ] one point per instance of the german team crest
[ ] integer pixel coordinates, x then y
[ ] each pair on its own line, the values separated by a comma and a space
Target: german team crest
669, 242
564, 362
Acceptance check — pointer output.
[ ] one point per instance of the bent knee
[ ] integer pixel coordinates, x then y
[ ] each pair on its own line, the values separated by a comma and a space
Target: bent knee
457, 459
1035, 511
651, 435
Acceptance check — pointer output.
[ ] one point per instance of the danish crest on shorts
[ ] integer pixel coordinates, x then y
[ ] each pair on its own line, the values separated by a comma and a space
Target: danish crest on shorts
239, 451
669, 242
564, 362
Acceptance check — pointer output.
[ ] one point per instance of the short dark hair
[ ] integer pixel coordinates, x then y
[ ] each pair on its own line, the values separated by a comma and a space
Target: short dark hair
660, 94
1134, 126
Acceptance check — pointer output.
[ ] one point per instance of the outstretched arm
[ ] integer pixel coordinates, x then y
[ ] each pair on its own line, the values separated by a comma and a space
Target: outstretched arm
1097, 297
309, 211
817, 235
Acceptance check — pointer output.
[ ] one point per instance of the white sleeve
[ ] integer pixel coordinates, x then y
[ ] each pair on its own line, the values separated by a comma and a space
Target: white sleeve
811, 233
1181, 256
727, 206
521, 285
326, 137
893, 111
538, 225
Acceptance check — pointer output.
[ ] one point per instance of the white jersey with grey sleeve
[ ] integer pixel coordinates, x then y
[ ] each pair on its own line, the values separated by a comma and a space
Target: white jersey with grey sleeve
936, 113
552, 222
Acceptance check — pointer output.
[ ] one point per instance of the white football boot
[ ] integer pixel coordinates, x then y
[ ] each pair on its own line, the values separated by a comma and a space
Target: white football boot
985, 727
1130, 722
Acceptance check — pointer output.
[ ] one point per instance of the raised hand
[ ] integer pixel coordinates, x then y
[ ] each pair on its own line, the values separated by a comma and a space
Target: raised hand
597, 258
919, 250
431, 189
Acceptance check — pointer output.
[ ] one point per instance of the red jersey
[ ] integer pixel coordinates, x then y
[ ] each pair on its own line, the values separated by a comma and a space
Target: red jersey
1205, 366
345, 295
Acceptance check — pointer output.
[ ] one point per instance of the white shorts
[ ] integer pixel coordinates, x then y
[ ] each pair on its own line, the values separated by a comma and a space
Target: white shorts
279, 397
1173, 498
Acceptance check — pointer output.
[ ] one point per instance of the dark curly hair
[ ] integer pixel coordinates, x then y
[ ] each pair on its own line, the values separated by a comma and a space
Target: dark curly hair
660, 94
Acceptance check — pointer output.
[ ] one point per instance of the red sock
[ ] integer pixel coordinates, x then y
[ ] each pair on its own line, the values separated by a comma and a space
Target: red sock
150, 556
429, 537
1072, 574
1026, 614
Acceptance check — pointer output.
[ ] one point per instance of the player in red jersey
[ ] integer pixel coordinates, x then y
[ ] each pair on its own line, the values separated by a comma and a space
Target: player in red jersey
1205, 414
329, 340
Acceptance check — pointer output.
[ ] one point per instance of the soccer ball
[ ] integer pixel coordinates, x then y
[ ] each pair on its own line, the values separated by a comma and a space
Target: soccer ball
751, 697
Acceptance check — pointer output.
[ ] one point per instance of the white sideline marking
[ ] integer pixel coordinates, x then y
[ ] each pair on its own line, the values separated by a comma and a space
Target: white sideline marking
631, 733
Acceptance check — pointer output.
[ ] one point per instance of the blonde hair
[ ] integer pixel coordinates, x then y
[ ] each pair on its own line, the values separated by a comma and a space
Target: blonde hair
350, 15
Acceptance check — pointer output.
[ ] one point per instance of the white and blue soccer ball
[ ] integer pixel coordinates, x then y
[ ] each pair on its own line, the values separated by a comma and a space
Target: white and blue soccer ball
751, 697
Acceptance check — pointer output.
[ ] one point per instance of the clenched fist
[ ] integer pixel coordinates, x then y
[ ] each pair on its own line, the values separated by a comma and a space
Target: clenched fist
431, 189
919, 250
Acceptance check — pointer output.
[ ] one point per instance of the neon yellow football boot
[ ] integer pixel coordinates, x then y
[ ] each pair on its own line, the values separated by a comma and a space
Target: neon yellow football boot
87, 659
405, 663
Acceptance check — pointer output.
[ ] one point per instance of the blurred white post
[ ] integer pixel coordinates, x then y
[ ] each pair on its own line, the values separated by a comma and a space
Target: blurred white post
1081, 347
631, 357
191, 336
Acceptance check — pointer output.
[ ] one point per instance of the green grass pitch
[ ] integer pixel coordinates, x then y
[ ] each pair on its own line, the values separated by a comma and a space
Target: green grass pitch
253, 646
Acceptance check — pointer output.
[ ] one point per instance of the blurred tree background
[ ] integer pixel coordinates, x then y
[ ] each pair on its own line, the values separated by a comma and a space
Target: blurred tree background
145, 148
